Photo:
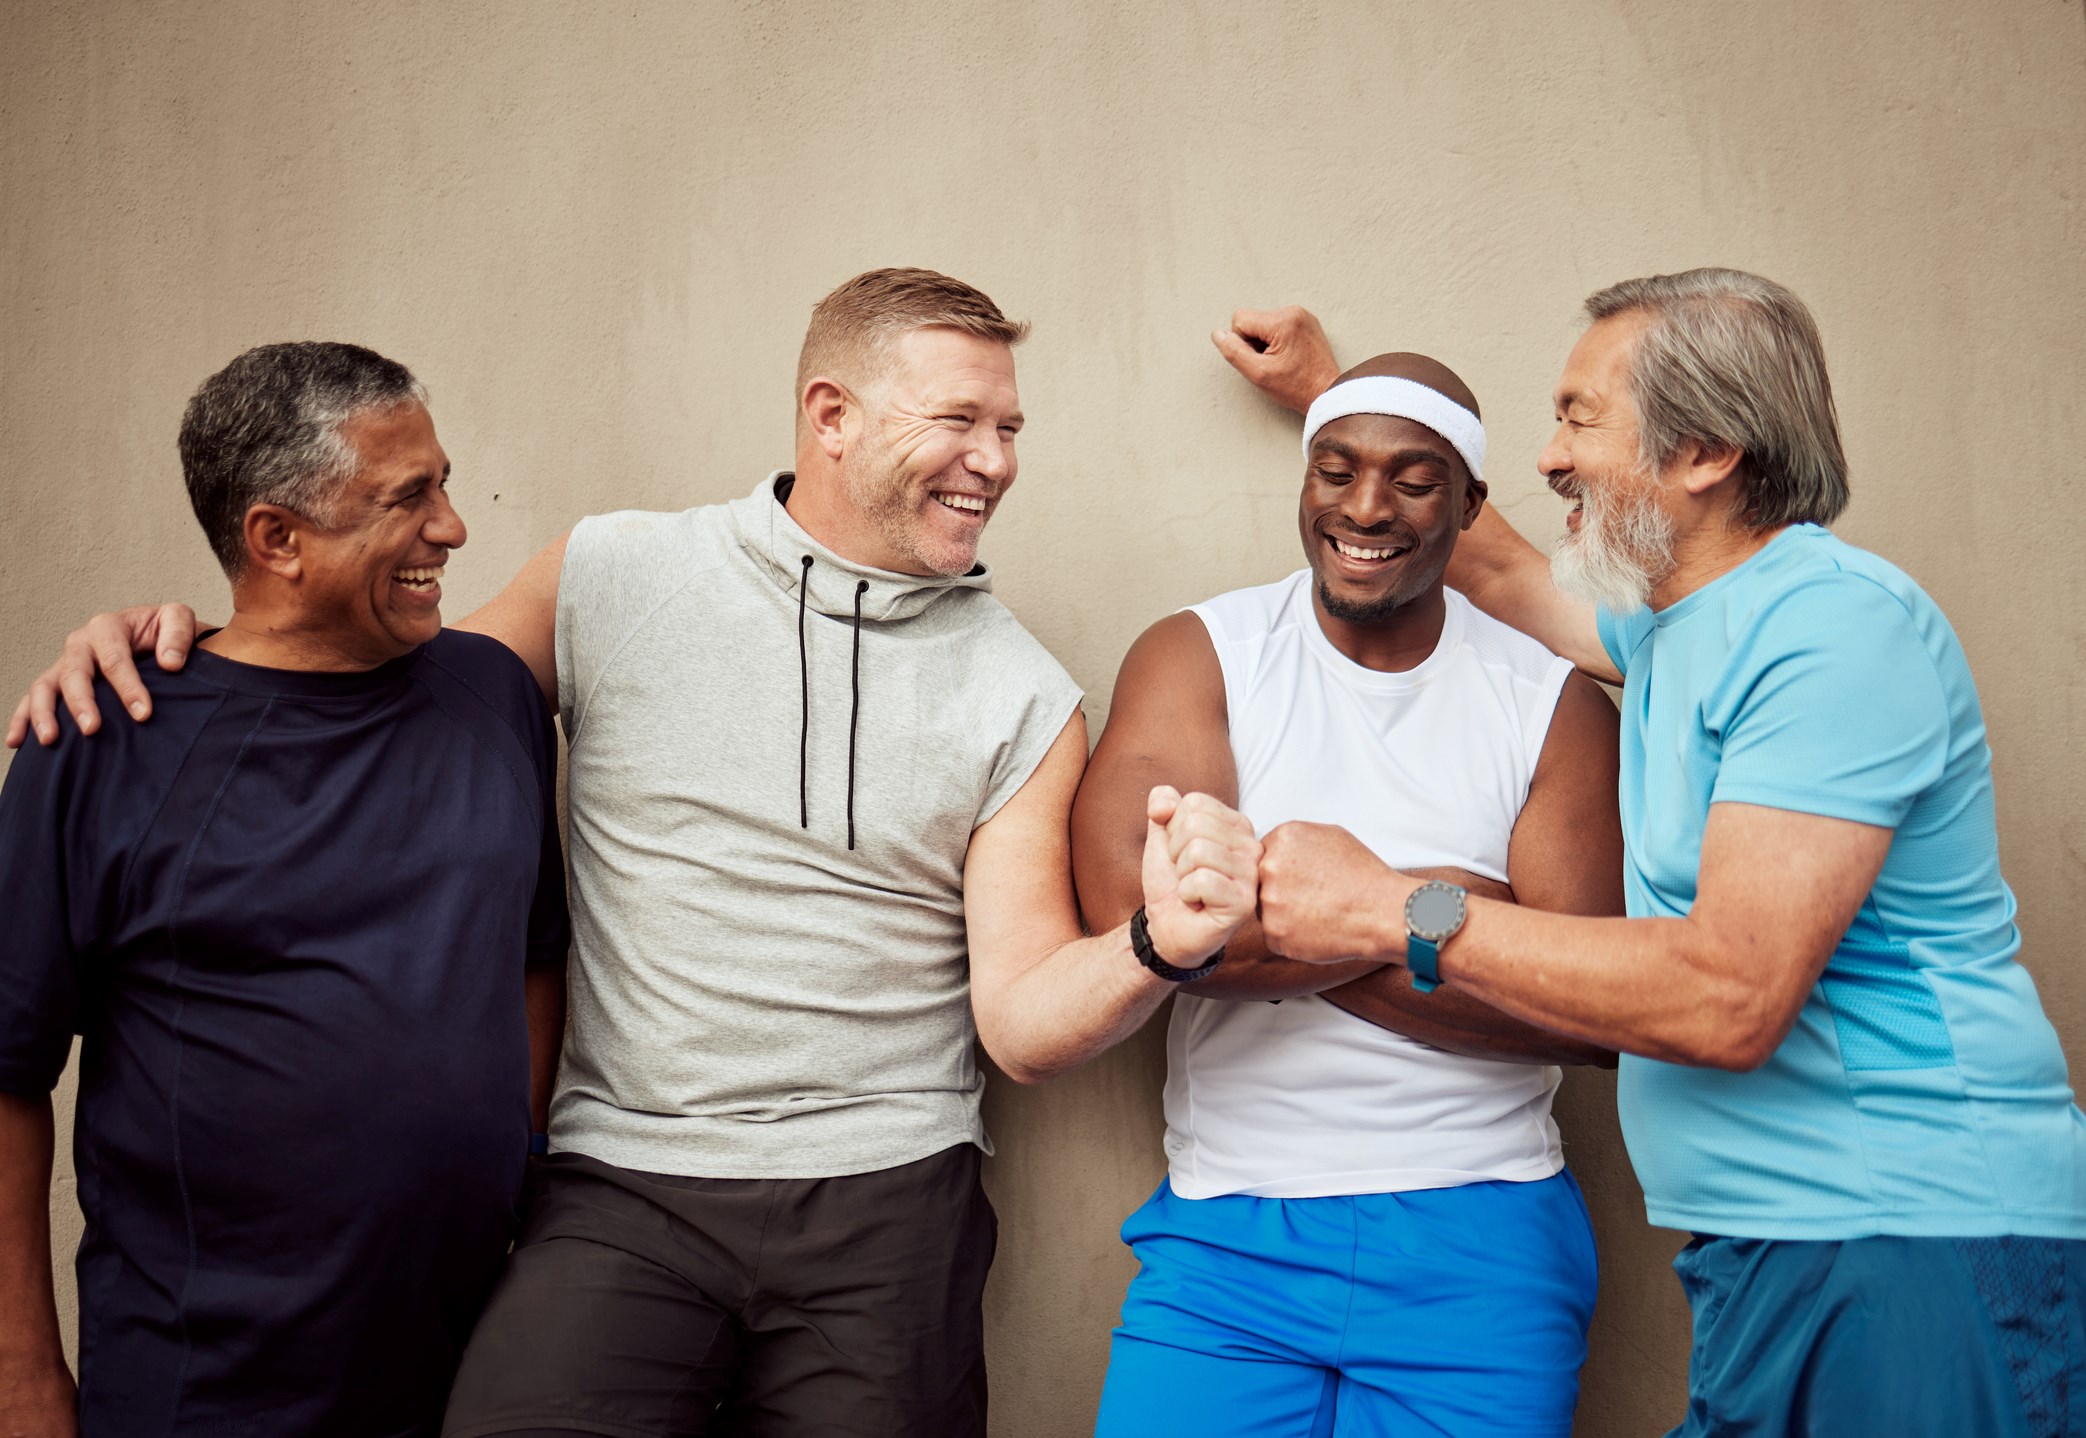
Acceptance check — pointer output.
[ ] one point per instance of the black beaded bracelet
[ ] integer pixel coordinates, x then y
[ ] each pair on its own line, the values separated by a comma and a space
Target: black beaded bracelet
1141, 945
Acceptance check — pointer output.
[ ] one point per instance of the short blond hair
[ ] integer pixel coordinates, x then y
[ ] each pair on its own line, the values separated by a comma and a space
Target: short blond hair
853, 328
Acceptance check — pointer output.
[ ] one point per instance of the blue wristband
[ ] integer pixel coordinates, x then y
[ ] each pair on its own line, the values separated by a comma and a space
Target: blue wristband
539, 1145
1423, 959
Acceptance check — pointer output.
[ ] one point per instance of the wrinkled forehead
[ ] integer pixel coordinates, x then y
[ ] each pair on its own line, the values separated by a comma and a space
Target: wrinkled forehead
1597, 371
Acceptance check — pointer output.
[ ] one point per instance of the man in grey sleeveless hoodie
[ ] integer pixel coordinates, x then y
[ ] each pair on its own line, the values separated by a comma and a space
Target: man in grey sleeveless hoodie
819, 790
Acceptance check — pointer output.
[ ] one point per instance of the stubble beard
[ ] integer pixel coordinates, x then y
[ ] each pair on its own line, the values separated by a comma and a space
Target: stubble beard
1624, 545
878, 489
1367, 611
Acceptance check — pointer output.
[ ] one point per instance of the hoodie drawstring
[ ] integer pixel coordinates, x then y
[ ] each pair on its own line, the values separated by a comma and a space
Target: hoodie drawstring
804, 672
854, 712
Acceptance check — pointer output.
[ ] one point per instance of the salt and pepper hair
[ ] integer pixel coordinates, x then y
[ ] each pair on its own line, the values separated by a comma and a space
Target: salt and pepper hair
1731, 359
266, 429
853, 329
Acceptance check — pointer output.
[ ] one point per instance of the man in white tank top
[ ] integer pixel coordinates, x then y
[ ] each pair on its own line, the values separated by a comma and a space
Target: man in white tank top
1366, 1225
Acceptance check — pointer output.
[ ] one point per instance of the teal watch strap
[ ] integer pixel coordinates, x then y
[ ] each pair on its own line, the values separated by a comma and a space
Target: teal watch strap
1422, 959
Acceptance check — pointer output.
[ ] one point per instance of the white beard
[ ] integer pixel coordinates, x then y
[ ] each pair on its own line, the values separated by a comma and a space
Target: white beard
1623, 547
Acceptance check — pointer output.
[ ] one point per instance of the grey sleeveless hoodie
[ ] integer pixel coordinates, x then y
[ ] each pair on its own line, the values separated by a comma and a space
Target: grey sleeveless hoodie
776, 760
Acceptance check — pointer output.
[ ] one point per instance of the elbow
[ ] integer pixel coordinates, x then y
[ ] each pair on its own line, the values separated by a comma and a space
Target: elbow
1748, 1051
1026, 1071
1735, 1022
1023, 1063
1740, 1045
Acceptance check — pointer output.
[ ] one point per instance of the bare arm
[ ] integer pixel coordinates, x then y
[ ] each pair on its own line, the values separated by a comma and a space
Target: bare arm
1719, 988
1509, 578
1047, 998
524, 615
1565, 857
1168, 726
36, 1390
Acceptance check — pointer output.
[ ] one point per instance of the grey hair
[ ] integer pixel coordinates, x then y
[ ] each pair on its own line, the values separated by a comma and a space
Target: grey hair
266, 429
1732, 359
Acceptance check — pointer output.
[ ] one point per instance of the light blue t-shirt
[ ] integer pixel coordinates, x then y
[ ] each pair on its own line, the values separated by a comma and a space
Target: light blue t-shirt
1922, 1090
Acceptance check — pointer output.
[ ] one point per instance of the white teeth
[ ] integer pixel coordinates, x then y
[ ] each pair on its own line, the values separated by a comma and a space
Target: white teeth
968, 503
1354, 553
418, 577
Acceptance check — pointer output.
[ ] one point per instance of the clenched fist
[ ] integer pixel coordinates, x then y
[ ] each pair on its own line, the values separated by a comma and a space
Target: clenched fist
1201, 864
1284, 352
1325, 897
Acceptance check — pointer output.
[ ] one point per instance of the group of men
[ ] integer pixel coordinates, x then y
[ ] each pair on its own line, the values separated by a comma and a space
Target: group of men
832, 819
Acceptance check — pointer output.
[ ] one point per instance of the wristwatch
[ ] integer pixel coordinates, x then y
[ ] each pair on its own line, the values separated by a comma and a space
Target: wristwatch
1433, 913
1141, 945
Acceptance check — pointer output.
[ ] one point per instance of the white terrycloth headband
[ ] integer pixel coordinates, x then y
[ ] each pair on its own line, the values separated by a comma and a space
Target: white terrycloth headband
1402, 399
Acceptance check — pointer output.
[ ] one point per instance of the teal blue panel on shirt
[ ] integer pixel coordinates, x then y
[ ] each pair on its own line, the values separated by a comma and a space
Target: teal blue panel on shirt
1886, 1015
1923, 1091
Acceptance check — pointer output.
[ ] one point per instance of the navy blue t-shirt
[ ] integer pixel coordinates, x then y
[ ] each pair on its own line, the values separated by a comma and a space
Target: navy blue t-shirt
289, 917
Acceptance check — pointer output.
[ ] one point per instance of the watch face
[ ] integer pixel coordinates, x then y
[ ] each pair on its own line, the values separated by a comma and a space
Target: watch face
1435, 911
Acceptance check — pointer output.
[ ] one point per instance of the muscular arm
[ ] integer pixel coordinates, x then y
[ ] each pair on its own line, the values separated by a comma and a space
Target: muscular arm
1047, 998
523, 616
1169, 725
1565, 857
36, 1390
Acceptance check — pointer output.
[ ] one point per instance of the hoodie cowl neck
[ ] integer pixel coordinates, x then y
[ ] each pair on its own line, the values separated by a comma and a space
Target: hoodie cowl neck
767, 531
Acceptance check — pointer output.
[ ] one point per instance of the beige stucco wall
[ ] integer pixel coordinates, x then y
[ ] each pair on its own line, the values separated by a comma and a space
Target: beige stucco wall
596, 231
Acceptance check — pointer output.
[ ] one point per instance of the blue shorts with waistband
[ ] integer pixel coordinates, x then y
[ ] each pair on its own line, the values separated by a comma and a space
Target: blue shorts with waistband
1457, 1311
1886, 1338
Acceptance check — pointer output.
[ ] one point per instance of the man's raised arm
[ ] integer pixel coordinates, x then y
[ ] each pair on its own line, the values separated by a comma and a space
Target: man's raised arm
1286, 356
523, 616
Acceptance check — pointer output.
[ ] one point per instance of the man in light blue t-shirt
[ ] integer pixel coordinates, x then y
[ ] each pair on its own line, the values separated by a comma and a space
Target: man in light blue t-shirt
1835, 1074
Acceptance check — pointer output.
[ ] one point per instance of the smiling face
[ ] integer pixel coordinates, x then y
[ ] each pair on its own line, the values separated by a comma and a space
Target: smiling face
1619, 535
371, 581
936, 451
1383, 501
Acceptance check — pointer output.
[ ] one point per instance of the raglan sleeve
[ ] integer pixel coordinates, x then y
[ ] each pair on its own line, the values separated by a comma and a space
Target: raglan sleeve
1836, 708
47, 893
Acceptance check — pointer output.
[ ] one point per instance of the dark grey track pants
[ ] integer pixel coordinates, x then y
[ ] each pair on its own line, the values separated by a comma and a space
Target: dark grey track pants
642, 1305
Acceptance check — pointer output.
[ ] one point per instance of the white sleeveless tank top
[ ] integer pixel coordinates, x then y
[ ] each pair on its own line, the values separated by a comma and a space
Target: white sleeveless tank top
1301, 1099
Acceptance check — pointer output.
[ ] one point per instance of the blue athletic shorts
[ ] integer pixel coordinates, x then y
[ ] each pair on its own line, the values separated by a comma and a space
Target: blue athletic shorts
1448, 1311
1886, 1338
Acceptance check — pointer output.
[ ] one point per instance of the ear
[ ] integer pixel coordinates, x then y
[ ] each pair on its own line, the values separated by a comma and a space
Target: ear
826, 406
274, 540
1701, 468
1475, 493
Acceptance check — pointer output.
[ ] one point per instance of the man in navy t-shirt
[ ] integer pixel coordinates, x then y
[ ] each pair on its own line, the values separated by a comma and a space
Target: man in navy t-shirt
307, 923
